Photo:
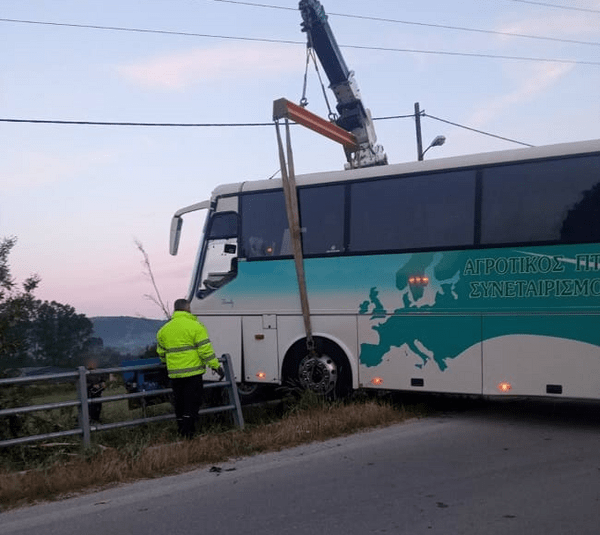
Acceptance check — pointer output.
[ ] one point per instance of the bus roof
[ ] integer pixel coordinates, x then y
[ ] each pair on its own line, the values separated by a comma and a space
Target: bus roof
455, 162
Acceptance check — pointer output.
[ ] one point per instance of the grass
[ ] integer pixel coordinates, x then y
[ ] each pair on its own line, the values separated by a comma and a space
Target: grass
44, 472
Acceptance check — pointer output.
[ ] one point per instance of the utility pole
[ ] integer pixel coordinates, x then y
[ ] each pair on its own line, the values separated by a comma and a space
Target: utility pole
437, 142
418, 127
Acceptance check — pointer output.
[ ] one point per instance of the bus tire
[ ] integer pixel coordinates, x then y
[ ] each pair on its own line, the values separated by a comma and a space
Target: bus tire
249, 392
328, 373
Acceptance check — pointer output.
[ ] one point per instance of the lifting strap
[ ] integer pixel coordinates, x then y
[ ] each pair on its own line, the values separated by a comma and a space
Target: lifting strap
291, 206
310, 55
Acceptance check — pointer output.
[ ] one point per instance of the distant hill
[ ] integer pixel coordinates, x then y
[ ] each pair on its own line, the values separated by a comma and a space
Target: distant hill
125, 334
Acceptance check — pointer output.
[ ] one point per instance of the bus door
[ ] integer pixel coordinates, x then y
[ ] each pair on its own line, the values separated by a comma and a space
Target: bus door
219, 258
218, 267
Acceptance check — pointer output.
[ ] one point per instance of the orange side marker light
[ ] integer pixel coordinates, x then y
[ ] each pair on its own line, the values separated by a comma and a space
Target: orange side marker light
504, 386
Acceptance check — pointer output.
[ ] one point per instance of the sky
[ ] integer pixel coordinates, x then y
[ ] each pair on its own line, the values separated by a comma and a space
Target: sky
78, 197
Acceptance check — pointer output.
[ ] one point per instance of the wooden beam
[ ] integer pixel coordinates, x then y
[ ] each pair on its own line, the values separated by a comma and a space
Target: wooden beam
283, 108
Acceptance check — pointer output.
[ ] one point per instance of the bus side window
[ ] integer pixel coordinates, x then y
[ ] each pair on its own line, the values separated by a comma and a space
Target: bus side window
286, 242
434, 210
264, 221
541, 202
322, 212
579, 224
257, 247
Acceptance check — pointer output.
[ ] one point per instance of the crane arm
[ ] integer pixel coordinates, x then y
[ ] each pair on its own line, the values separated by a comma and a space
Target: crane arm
353, 116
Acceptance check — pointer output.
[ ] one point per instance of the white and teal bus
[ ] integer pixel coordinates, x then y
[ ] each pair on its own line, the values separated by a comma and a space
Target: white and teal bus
475, 275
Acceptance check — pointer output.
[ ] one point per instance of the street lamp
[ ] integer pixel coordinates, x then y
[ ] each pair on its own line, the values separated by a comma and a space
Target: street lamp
437, 142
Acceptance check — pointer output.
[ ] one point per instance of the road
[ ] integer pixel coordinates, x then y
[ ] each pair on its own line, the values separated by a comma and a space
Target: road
518, 468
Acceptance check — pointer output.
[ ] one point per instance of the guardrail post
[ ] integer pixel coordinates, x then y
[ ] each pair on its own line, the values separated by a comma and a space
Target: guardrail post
84, 408
234, 397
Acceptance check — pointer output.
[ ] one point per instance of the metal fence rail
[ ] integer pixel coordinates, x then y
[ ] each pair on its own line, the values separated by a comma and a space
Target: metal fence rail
83, 402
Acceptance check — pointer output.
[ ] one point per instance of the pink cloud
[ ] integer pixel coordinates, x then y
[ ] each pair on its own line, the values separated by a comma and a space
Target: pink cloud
200, 66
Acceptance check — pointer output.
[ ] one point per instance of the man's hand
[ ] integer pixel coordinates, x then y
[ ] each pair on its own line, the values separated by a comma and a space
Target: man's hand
220, 372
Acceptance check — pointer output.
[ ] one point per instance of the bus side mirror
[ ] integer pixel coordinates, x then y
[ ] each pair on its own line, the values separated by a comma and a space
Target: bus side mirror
176, 224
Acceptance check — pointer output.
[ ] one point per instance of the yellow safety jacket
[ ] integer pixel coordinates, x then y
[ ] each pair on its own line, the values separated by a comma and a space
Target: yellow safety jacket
184, 346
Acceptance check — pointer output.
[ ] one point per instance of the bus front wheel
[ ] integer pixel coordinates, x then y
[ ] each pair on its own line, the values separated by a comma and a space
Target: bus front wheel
325, 372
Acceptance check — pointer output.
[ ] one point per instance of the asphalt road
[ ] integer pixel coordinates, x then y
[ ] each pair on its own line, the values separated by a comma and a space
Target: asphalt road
517, 468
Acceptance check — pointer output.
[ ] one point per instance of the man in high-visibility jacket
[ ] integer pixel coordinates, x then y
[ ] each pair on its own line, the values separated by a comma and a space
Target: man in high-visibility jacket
184, 346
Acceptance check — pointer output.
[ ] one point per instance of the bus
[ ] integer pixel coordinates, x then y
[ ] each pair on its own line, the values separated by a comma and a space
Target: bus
476, 274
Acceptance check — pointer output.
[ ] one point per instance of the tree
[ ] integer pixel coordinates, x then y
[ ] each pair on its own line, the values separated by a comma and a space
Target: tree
50, 333
156, 297
36, 332
17, 306
59, 336
16, 309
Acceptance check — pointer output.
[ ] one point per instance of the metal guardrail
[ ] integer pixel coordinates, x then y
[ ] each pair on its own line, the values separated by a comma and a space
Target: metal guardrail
83, 402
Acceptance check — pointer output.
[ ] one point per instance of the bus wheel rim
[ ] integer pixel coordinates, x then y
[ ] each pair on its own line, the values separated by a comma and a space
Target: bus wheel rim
318, 374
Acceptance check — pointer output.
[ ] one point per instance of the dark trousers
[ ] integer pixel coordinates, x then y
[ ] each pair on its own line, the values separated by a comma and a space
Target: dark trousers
187, 394
94, 391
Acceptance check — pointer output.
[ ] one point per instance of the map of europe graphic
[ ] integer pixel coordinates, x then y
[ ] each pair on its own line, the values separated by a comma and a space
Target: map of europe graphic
430, 343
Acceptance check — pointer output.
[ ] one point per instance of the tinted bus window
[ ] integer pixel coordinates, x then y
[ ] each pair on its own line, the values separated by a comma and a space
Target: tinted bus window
264, 224
223, 225
541, 202
322, 219
413, 213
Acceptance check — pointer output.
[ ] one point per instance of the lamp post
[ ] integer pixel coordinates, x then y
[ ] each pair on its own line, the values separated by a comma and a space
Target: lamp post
438, 140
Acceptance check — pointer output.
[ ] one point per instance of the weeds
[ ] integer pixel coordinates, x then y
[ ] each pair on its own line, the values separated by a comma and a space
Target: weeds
154, 450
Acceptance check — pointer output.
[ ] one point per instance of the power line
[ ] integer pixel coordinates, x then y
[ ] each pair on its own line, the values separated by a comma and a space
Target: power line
545, 4
454, 124
475, 30
235, 125
393, 117
145, 30
428, 25
474, 55
475, 130
254, 4
116, 123
285, 41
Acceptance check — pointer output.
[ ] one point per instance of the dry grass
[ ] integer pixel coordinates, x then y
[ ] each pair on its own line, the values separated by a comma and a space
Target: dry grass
102, 466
